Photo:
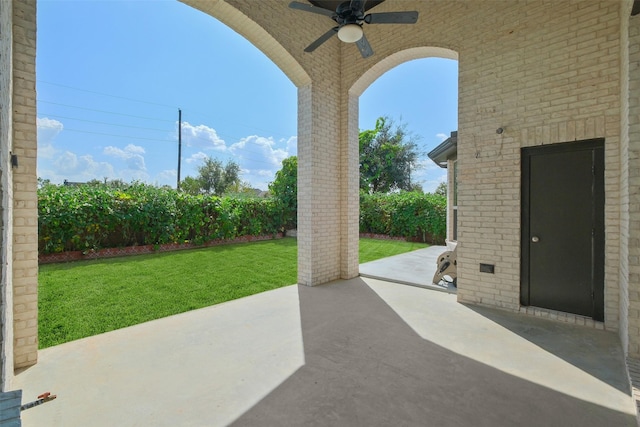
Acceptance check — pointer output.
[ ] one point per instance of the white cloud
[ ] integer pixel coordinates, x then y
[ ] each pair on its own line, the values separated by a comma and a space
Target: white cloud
202, 136
48, 130
167, 177
47, 124
292, 146
431, 185
442, 136
131, 154
260, 158
256, 151
427, 165
196, 158
75, 168
128, 175
134, 149
429, 175
430, 179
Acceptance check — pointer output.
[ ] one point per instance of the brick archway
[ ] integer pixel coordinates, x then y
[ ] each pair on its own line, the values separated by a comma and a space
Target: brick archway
352, 131
544, 86
256, 35
396, 59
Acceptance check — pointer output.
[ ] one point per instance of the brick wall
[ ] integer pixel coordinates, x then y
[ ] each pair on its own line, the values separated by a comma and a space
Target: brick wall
18, 198
6, 299
319, 189
24, 186
624, 178
547, 72
451, 188
327, 122
634, 189
549, 79
349, 187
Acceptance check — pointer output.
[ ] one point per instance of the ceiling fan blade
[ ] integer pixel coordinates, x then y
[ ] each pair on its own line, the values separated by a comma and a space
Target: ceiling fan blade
409, 17
313, 9
323, 38
364, 47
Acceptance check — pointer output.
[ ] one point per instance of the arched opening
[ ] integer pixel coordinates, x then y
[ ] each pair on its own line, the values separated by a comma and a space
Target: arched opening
418, 90
108, 96
423, 95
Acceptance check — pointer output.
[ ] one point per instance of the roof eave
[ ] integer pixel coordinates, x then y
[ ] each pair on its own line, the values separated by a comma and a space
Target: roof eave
445, 151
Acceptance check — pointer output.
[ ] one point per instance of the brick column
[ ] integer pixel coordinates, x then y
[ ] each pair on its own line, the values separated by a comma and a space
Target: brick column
634, 192
6, 300
23, 180
350, 188
318, 186
327, 182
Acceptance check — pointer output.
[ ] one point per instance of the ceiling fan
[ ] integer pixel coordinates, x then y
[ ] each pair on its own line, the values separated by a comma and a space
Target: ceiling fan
350, 15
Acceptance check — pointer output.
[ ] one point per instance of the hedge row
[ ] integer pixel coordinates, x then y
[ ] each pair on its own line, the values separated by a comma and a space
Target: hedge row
415, 216
91, 217
87, 217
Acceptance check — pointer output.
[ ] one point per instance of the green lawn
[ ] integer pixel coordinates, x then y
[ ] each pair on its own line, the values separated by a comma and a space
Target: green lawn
80, 299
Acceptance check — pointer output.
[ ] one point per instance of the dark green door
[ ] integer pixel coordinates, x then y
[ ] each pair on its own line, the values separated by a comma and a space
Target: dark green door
563, 227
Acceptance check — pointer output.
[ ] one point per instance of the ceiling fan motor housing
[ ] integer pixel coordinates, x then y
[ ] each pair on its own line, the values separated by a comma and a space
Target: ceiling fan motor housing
347, 15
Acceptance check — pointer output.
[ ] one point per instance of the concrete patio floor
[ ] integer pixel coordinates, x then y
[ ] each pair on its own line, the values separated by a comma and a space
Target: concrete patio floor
415, 268
360, 352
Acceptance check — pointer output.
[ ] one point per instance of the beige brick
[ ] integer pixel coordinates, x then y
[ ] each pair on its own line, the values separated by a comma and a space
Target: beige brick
551, 78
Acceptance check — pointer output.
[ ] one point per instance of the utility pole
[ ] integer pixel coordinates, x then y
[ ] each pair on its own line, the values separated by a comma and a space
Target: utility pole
179, 144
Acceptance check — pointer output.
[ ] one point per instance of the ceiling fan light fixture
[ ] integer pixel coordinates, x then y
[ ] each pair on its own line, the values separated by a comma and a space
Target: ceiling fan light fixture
350, 33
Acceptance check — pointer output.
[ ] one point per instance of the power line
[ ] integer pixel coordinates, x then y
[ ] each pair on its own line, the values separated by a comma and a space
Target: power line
103, 123
227, 153
119, 136
106, 94
193, 137
107, 112
207, 116
126, 115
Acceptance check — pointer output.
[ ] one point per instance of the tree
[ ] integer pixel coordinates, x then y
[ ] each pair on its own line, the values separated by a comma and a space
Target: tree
285, 187
190, 185
42, 182
243, 189
441, 190
213, 178
388, 155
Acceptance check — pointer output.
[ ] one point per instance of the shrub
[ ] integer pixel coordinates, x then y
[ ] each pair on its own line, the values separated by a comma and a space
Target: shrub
89, 217
412, 215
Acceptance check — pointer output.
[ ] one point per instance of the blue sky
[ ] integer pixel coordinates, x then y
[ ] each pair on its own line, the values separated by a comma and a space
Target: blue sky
112, 74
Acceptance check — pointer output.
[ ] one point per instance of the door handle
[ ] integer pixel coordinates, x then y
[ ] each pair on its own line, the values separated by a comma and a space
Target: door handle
535, 239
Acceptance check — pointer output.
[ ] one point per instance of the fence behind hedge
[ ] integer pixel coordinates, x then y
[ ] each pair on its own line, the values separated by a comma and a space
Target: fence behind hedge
91, 217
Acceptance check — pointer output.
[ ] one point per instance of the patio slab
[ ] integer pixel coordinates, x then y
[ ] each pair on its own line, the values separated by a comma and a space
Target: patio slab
415, 268
360, 352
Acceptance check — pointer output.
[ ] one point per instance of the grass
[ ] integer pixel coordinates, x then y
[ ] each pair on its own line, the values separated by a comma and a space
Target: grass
86, 298
373, 249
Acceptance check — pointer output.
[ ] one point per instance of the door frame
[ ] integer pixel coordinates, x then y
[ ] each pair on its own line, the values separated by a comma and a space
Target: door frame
597, 269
